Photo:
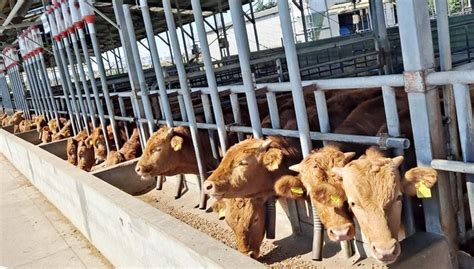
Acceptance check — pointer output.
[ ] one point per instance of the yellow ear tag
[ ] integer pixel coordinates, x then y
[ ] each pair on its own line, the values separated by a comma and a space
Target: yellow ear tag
297, 190
422, 191
222, 213
335, 200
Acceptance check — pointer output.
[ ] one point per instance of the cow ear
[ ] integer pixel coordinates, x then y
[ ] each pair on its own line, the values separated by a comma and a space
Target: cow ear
295, 167
327, 194
265, 145
176, 143
397, 161
418, 181
169, 133
272, 159
339, 171
290, 187
348, 157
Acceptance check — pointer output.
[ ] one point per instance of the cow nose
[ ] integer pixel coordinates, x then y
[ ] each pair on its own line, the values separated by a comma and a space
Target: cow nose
387, 251
208, 186
343, 232
138, 169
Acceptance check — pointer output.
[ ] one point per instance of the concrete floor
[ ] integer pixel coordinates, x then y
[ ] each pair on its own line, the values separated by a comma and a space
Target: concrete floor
33, 233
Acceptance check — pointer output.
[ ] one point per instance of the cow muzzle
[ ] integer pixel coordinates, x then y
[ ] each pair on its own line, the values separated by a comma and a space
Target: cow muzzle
210, 189
386, 252
341, 233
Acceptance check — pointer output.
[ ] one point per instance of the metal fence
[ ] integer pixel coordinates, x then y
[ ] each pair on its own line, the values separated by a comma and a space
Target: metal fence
178, 106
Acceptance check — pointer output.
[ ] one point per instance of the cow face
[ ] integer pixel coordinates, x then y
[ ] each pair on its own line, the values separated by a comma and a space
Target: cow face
114, 158
16, 118
99, 144
374, 190
45, 135
247, 170
324, 188
85, 155
167, 149
246, 218
71, 150
40, 123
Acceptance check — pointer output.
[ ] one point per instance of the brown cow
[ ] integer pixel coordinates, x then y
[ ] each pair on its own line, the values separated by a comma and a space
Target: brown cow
85, 155
40, 122
99, 143
26, 125
170, 151
65, 132
16, 119
45, 135
72, 146
6, 121
324, 189
129, 151
374, 187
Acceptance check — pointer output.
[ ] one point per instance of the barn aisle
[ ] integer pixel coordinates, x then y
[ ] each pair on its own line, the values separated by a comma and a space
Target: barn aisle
33, 233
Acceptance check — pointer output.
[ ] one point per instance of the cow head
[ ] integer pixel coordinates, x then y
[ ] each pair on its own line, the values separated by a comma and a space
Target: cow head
246, 218
71, 150
248, 169
374, 190
40, 123
114, 158
97, 139
16, 118
166, 150
45, 135
324, 187
85, 155
132, 148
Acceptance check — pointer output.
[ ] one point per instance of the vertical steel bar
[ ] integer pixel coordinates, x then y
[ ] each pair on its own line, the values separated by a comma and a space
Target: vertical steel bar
254, 24
211, 78
244, 59
300, 108
418, 59
187, 97
466, 131
138, 65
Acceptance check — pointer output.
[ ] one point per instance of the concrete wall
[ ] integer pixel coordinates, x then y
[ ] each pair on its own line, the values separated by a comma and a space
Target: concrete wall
126, 230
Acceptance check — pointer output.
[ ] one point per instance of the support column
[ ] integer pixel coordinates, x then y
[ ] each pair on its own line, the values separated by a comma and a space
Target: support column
426, 120
187, 97
300, 108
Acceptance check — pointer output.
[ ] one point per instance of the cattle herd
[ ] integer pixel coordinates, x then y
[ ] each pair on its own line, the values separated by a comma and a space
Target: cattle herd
344, 181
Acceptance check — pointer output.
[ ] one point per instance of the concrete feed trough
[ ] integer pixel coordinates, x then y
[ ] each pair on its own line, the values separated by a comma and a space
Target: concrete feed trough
127, 231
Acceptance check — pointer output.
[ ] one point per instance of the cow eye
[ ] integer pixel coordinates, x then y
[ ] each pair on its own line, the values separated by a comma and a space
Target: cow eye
352, 204
243, 163
399, 197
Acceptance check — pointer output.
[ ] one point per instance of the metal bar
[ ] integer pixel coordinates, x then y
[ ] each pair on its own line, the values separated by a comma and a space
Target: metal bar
453, 166
254, 23
95, 91
210, 75
77, 93
103, 80
42, 85
138, 65
418, 59
183, 37
382, 38
160, 79
69, 106
224, 31
187, 98
48, 85
82, 76
300, 108
244, 59
33, 80
466, 131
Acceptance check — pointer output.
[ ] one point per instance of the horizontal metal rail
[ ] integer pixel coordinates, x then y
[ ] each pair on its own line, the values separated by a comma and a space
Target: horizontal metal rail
453, 166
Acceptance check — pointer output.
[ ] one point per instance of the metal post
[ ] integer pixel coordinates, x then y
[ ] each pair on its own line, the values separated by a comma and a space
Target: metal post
254, 23
244, 59
300, 110
183, 36
418, 60
82, 76
466, 129
224, 30
165, 104
103, 81
444, 44
138, 65
187, 97
41, 85
382, 38
211, 78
